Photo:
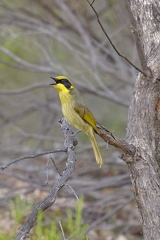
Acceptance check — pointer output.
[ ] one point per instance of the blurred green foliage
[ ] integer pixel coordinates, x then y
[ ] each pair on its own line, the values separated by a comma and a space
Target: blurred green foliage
72, 226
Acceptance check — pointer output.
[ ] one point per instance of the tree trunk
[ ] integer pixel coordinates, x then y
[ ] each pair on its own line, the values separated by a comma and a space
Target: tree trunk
143, 129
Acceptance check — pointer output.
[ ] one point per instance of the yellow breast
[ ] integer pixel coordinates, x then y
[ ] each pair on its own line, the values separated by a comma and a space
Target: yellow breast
68, 103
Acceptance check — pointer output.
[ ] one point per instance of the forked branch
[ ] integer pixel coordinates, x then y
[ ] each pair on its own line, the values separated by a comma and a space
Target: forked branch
70, 142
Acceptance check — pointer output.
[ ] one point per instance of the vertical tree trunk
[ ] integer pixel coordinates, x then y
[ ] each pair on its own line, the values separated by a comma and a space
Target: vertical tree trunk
144, 115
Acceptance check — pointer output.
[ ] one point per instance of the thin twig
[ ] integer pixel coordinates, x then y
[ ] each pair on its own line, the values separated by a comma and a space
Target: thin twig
31, 156
72, 191
68, 185
52, 160
110, 41
62, 230
47, 167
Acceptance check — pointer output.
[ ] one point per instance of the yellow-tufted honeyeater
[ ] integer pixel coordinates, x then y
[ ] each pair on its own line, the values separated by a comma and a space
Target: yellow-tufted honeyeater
76, 112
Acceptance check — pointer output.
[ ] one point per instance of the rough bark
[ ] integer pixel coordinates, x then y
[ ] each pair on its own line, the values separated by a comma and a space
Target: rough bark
144, 119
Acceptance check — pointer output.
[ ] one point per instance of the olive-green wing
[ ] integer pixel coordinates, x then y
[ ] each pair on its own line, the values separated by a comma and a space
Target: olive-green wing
86, 115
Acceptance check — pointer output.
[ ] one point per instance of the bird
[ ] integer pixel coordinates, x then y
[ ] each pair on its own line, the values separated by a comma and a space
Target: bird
76, 112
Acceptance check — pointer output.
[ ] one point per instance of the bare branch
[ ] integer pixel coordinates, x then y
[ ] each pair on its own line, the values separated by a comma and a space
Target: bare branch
31, 156
70, 142
110, 41
121, 144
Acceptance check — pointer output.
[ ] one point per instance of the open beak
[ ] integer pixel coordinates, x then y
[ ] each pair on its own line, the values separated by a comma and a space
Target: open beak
54, 80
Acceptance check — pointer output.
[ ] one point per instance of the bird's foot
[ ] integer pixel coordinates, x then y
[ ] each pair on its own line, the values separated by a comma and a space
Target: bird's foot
74, 134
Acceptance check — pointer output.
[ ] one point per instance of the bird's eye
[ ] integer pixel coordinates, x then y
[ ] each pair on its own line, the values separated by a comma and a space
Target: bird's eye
66, 83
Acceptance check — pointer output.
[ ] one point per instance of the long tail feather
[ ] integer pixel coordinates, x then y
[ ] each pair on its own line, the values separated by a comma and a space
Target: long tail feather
95, 148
